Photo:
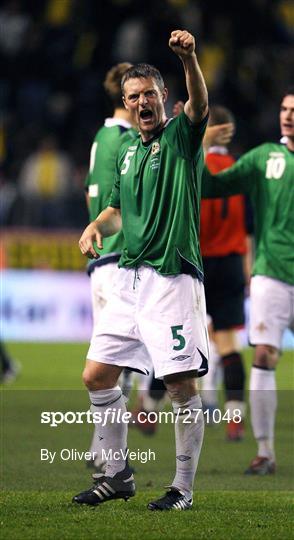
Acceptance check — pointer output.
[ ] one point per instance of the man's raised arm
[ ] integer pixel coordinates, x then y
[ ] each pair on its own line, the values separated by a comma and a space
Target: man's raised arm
106, 224
183, 44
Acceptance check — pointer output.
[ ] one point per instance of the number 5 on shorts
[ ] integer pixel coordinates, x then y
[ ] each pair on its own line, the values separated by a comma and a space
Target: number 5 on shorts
176, 335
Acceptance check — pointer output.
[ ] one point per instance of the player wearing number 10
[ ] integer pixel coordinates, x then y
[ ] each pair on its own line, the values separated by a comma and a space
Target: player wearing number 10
266, 173
157, 309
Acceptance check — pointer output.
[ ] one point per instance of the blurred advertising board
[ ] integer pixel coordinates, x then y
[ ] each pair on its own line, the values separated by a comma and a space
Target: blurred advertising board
45, 291
30, 249
44, 305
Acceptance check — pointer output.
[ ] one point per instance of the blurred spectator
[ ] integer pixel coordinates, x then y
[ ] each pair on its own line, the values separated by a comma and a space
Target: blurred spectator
130, 41
8, 196
14, 26
45, 183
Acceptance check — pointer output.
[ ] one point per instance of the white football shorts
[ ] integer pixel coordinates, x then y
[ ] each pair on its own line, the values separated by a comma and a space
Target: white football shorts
271, 310
102, 280
153, 319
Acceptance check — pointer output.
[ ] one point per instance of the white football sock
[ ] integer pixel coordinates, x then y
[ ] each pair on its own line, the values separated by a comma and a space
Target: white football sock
210, 381
111, 437
235, 408
189, 437
263, 404
95, 447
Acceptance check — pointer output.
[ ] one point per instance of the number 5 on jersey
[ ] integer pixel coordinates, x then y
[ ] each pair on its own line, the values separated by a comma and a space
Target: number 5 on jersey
127, 161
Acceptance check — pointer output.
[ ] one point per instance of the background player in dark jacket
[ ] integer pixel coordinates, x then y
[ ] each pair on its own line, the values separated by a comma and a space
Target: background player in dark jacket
216, 135
223, 247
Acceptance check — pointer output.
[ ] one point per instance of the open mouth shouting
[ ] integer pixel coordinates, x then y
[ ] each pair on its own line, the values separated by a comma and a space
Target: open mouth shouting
146, 115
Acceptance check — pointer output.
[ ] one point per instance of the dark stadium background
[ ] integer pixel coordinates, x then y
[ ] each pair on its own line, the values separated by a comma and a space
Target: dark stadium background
54, 54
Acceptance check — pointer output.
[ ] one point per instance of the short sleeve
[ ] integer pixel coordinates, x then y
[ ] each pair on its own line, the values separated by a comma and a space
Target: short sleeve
114, 200
184, 136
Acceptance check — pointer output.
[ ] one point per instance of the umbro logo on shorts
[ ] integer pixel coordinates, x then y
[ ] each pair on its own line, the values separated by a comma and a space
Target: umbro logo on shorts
183, 458
181, 357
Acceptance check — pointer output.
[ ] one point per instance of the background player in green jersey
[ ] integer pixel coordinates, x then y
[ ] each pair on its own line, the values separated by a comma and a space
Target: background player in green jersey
99, 182
266, 173
98, 185
157, 309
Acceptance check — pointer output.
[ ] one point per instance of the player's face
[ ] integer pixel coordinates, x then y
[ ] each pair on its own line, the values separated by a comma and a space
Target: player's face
145, 102
287, 117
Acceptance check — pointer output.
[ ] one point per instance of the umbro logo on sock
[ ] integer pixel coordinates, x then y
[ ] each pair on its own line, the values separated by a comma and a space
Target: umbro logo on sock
183, 458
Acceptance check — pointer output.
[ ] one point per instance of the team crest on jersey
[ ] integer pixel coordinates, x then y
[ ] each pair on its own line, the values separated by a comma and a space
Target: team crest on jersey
155, 148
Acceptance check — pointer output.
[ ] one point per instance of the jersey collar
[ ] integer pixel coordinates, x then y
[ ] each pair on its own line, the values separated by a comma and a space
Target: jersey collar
218, 150
111, 122
157, 134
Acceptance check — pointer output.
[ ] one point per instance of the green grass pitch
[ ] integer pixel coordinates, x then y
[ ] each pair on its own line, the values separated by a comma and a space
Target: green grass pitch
36, 496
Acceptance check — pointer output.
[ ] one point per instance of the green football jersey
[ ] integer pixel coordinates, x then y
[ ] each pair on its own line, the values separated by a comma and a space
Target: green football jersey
157, 187
100, 178
266, 173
